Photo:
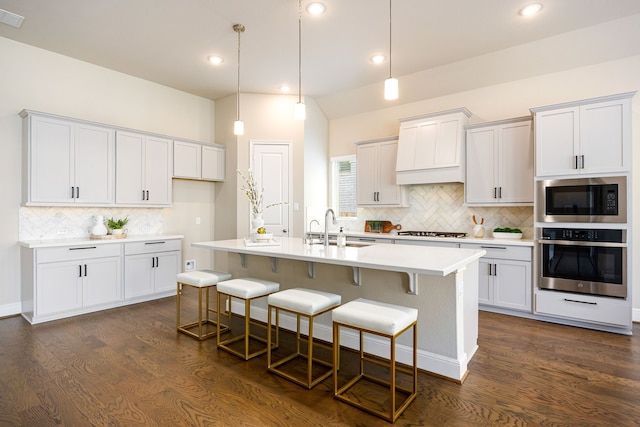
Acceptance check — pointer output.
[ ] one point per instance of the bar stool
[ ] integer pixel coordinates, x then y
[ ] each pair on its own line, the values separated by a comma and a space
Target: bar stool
246, 289
200, 279
310, 304
387, 321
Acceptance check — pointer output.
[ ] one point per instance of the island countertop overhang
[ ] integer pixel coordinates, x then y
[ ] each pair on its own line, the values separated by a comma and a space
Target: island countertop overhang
393, 257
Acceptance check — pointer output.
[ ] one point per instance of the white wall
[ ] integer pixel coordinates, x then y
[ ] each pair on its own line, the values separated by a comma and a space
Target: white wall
45, 81
512, 99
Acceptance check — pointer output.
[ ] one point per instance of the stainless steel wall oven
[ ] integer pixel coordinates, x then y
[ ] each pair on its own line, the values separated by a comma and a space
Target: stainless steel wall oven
582, 200
588, 261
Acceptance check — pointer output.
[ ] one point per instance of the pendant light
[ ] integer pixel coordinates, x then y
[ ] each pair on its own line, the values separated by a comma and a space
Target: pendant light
391, 84
238, 125
299, 112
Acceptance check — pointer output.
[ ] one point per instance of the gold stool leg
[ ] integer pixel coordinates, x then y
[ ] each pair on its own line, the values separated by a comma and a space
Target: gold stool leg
178, 292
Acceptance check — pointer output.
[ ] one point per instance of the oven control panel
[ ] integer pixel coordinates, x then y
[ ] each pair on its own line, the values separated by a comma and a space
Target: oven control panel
583, 235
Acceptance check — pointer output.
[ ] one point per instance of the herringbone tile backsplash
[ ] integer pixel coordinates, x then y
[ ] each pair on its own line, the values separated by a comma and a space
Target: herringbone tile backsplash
44, 223
440, 207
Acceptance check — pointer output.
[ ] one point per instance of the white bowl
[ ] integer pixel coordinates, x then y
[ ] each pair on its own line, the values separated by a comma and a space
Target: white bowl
502, 235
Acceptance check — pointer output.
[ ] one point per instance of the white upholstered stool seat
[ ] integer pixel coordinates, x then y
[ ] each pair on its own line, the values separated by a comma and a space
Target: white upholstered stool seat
384, 320
246, 289
199, 279
307, 303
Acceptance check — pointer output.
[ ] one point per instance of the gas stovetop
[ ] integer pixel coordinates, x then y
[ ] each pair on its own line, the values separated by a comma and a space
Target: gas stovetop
432, 234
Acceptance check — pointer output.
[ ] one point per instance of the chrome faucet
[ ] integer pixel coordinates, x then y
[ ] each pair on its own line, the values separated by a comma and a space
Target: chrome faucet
326, 224
309, 231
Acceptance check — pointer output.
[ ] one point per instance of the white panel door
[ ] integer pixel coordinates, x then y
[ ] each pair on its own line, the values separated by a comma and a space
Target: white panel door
102, 281
482, 173
516, 163
129, 173
94, 167
59, 287
158, 167
51, 160
271, 163
166, 268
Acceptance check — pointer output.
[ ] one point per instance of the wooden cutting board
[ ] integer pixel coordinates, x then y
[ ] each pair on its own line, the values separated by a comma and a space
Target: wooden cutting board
387, 226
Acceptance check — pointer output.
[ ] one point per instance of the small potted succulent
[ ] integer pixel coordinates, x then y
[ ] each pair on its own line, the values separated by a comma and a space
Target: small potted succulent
115, 226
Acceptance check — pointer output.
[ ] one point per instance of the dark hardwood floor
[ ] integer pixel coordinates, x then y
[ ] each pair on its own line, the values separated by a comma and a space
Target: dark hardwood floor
129, 367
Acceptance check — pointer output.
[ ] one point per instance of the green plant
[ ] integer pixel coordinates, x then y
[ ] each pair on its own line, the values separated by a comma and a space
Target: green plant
117, 224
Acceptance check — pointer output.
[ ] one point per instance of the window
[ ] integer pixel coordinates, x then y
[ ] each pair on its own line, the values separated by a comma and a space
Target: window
343, 186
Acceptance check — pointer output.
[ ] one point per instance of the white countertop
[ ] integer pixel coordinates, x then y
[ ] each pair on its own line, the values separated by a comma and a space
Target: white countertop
394, 236
52, 243
403, 258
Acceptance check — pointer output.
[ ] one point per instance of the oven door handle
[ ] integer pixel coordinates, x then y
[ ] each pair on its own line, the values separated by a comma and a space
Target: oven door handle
582, 243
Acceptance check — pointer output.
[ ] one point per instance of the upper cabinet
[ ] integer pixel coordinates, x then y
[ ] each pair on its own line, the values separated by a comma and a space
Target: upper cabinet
584, 137
198, 161
499, 162
143, 173
376, 174
66, 162
431, 148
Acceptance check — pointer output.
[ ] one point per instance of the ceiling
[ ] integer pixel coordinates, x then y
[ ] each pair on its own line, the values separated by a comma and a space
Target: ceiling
168, 41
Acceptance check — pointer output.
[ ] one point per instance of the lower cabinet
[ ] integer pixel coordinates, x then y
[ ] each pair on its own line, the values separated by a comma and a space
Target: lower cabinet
584, 308
504, 276
64, 281
151, 267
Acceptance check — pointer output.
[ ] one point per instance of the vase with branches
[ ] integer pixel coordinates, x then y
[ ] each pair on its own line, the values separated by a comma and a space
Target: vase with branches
255, 195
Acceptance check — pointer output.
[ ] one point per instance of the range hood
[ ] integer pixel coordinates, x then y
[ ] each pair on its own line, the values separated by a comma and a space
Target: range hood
431, 148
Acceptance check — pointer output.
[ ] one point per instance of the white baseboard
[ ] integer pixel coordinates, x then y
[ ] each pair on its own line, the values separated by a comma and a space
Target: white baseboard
635, 315
427, 361
10, 309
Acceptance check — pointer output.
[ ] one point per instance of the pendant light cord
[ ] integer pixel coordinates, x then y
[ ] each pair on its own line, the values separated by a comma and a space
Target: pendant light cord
390, 38
238, 28
299, 51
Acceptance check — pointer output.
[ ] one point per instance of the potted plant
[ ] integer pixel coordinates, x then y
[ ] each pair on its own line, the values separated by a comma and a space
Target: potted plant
115, 226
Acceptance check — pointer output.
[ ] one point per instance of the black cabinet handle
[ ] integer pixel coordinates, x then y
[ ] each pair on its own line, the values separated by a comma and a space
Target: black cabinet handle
77, 192
147, 194
581, 302
155, 243
499, 192
494, 193
83, 248
582, 161
80, 270
85, 270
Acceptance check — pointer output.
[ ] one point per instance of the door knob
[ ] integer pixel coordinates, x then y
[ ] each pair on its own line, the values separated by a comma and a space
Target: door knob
284, 230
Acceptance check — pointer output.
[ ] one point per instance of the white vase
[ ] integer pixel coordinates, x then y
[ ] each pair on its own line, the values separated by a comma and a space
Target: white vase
98, 229
256, 222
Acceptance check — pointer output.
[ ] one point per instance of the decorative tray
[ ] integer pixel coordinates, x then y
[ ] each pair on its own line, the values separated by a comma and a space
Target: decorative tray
271, 242
107, 236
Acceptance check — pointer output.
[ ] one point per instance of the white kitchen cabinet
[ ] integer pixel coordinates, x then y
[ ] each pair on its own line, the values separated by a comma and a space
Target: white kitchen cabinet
144, 169
585, 137
599, 312
67, 162
505, 279
64, 281
431, 148
376, 174
198, 161
499, 162
151, 268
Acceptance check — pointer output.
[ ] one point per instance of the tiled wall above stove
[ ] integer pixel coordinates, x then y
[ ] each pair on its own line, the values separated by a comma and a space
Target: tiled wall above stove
440, 207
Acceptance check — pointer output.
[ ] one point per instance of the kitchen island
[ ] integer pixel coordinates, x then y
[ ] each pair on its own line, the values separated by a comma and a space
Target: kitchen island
442, 283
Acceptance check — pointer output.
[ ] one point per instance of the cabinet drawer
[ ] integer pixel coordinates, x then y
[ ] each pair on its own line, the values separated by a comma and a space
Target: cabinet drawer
78, 252
520, 253
152, 246
583, 308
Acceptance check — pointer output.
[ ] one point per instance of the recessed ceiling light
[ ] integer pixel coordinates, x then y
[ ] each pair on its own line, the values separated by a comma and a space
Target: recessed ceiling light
316, 8
378, 58
531, 9
285, 88
215, 59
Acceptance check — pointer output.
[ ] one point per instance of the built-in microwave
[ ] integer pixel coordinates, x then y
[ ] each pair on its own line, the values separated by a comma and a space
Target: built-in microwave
582, 200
